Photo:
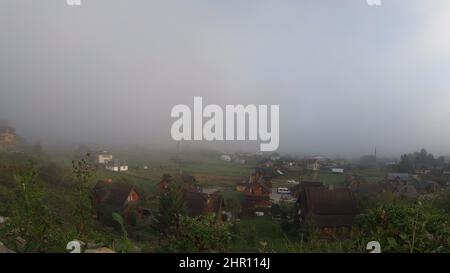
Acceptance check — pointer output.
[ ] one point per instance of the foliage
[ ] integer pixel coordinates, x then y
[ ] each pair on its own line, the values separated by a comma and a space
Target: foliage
127, 246
291, 222
442, 201
83, 172
233, 205
199, 234
418, 160
406, 226
171, 207
31, 220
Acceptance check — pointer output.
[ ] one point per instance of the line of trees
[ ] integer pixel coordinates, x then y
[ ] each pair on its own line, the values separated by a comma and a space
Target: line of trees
419, 161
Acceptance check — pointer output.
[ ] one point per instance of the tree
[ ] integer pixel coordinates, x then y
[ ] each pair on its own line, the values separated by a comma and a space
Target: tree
31, 219
234, 206
198, 234
405, 165
171, 207
418, 160
83, 172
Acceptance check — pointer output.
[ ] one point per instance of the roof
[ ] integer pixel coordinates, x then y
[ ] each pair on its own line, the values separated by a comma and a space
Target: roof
198, 204
267, 172
104, 152
305, 184
401, 176
312, 161
111, 194
329, 208
115, 163
426, 184
264, 184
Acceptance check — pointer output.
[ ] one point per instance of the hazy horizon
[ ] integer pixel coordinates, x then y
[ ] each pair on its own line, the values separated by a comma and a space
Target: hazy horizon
348, 77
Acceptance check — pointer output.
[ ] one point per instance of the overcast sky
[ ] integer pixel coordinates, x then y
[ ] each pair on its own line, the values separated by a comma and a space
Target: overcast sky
347, 76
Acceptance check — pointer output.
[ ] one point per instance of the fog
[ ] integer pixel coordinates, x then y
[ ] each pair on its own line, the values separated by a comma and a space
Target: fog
348, 77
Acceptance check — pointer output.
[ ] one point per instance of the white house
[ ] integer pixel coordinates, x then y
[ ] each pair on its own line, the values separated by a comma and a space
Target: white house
226, 158
337, 170
104, 157
116, 166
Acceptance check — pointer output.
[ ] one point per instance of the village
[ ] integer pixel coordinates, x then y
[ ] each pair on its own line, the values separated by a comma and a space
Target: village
265, 196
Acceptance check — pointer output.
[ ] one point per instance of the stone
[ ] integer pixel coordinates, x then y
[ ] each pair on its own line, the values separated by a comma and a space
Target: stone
3, 219
4, 249
92, 245
100, 250
21, 242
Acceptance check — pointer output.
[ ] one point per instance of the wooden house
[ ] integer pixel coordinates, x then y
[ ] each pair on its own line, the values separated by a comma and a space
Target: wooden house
257, 192
327, 208
297, 189
108, 197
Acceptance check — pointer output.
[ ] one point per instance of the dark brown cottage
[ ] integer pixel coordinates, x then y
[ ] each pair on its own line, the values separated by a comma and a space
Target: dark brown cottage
328, 208
297, 189
108, 197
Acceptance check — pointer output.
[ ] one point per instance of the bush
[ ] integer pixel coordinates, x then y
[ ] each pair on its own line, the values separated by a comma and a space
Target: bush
31, 219
199, 234
406, 226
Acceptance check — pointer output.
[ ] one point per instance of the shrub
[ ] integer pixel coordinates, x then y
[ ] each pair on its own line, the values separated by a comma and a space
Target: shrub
31, 219
406, 226
199, 234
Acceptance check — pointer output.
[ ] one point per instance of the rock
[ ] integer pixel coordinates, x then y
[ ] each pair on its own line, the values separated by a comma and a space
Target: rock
100, 250
92, 245
4, 249
3, 219
20, 242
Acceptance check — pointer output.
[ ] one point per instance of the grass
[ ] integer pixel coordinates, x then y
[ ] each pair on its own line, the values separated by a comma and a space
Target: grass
252, 231
329, 179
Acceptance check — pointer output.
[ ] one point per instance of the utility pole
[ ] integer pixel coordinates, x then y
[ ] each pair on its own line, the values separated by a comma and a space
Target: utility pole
376, 162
